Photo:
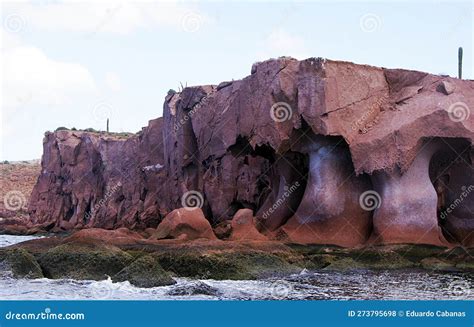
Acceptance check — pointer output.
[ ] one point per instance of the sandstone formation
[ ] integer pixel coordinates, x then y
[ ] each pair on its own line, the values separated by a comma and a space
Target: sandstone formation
321, 151
184, 224
243, 227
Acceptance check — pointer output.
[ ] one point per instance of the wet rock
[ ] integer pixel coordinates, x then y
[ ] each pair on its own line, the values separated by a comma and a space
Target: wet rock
79, 261
150, 263
20, 263
195, 288
436, 264
144, 272
233, 265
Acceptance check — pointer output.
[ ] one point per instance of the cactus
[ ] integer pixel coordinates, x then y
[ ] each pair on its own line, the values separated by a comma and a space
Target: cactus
107, 125
460, 62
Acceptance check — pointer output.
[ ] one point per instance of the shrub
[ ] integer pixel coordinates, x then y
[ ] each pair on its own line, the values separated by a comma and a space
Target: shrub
90, 129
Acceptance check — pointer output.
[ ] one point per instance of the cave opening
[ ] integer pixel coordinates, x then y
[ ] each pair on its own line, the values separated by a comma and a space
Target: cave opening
445, 164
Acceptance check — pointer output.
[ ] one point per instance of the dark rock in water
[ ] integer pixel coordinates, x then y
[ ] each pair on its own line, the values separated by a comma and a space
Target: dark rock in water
79, 261
231, 264
150, 263
195, 288
20, 263
144, 272
437, 264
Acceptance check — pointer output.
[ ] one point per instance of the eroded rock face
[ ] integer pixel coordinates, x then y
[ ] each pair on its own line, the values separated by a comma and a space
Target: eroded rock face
243, 227
334, 129
408, 199
99, 180
329, 212
184, 224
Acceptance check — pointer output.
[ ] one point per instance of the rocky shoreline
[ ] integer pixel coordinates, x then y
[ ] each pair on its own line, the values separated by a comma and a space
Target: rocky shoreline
96, 254
302, 165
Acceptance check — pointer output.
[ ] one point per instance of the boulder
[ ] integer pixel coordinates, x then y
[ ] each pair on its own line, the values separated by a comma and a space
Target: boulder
243, 227
184, 224
144, 272
20, 263
195, 288
80, 261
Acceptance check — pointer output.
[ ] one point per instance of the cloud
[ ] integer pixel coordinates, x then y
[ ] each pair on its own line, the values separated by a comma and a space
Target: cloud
112, 81
282, 43
31, 77
118, 17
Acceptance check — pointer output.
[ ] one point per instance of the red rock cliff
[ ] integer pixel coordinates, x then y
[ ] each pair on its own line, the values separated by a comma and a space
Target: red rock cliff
322, 151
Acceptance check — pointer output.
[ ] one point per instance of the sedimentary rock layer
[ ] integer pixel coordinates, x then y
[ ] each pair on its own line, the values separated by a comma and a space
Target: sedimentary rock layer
300, 143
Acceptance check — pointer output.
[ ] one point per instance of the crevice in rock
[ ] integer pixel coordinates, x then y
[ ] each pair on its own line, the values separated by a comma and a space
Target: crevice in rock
451, 175
241, 147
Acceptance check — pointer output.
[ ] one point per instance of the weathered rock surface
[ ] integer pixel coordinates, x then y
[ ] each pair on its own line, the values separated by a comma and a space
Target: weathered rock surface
195, 288
150, 263
19, 263
79, 261
97, 180
243, 227
334, 129
184, 224
144, 272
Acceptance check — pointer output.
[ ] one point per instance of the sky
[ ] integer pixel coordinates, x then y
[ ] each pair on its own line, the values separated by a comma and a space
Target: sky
77, 63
